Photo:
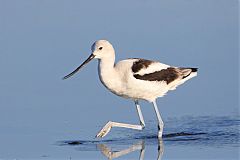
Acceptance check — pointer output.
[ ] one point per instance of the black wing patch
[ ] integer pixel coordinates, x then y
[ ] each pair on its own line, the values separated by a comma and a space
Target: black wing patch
141, 63
168, 75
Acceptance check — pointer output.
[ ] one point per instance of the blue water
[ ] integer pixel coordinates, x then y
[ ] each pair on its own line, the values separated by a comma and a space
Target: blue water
206, 137
44, 117
198, 135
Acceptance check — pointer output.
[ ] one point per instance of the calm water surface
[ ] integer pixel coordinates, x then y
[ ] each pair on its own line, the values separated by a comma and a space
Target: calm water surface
43, 117
184, 138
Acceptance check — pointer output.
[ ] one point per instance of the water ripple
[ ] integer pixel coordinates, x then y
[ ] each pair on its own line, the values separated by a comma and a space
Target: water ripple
206, 130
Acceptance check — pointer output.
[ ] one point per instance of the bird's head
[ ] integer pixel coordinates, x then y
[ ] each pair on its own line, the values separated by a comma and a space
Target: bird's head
100, 49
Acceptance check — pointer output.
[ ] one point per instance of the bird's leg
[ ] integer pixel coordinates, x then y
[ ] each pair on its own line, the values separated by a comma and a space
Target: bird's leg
112, 154
160, 149
142, 152
160, 121
142, 123
104, 131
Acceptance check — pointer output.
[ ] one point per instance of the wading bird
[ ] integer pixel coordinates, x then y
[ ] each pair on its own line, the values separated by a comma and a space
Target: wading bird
136, 79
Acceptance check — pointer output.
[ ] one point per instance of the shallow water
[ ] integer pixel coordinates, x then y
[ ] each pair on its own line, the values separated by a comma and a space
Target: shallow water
184, 138
197, 138
43, 117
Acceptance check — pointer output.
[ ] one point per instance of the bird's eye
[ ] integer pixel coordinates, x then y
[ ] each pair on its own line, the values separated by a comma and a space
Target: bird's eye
100, 48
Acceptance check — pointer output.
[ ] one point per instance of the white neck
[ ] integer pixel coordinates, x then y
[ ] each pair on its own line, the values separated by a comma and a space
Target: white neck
108, 74
106, 67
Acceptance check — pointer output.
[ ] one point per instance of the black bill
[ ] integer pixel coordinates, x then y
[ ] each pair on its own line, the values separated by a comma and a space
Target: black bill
77, 69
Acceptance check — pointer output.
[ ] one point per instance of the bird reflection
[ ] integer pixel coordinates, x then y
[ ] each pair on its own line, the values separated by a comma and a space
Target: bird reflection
110, 154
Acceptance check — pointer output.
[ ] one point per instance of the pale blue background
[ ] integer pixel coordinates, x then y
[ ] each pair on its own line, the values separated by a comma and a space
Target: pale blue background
42, 41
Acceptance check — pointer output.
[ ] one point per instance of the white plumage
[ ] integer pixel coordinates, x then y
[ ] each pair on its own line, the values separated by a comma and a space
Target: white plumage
137, 79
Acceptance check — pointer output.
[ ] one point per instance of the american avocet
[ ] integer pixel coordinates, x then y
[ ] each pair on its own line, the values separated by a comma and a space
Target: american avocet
135, 78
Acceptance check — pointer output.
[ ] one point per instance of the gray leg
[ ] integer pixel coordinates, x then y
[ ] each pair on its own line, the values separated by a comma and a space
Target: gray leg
142, 152
160, 149
160, 121
115, 154
104, 131
142, 123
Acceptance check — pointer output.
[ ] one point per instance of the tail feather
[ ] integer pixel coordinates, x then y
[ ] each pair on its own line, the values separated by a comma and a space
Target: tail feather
194, 69
187, 71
